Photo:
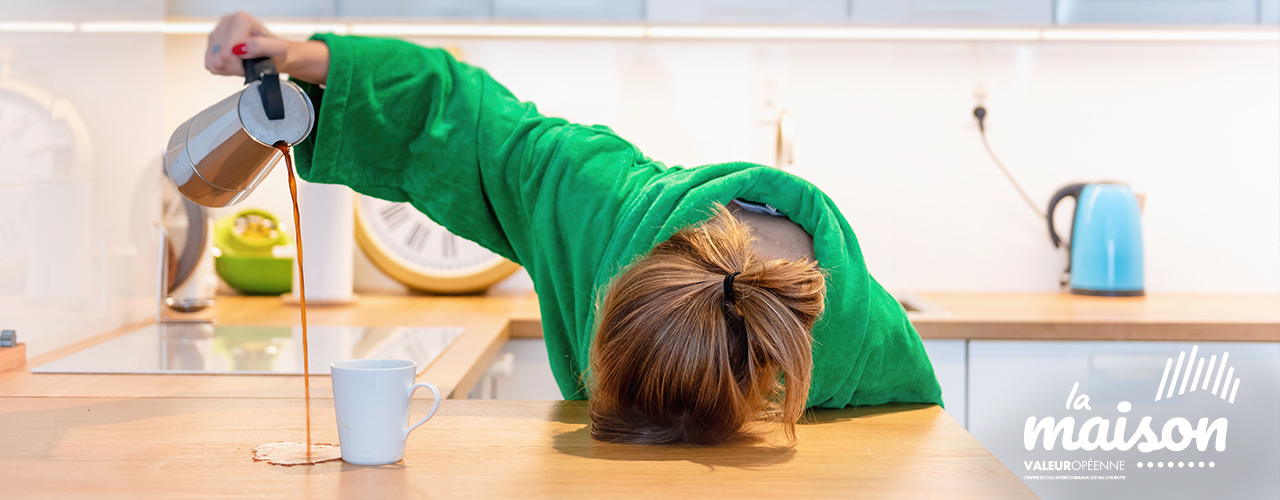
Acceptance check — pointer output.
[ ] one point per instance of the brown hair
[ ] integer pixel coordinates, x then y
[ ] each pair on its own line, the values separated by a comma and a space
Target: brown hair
677, 360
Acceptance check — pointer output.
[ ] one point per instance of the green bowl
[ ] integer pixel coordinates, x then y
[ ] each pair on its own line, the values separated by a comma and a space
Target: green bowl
256, 275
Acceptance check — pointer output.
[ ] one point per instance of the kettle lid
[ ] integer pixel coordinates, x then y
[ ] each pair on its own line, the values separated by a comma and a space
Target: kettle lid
299, 115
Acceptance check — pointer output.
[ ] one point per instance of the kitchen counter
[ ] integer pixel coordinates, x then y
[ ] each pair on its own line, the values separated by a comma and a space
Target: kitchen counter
140, 448
493, 319
163, 436
1062, 316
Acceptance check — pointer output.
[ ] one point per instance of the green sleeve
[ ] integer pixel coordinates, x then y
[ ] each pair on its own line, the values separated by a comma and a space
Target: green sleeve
403, 122
896, 366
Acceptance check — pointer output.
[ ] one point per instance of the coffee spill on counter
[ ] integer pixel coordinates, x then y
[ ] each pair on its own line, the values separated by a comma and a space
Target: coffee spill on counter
296, 454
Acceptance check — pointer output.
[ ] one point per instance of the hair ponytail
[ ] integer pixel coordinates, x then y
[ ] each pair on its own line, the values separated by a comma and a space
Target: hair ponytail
694, 337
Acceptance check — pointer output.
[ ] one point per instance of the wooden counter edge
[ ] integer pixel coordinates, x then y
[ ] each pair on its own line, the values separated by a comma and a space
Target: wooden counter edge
13, 357
457, 370
463, 364
943, 329
526, 322
1099, 331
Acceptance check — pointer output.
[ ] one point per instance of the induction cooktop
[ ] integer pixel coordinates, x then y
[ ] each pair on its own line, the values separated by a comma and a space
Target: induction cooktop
259, 350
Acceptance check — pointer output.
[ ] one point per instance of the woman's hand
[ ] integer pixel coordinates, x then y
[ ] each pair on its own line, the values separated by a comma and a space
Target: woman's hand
239, 36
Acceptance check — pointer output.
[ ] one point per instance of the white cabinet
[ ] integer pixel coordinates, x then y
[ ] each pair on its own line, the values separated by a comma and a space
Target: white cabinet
447, 9
259, 8
953, 12
1269, 12
1094, 383
948, 358
780, 12
530, 377
1157, 11
570, 10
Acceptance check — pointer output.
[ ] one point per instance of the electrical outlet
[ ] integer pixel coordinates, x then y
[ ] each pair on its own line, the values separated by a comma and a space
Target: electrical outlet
979, 94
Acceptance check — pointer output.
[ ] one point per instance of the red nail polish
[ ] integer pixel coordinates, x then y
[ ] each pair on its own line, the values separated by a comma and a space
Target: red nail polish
239, 49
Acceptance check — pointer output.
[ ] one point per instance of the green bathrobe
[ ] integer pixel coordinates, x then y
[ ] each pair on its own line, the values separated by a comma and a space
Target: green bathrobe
574, 204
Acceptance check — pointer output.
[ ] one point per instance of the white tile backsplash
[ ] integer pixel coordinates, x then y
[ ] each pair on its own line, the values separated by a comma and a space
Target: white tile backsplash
78, 255
886, 129
883, 127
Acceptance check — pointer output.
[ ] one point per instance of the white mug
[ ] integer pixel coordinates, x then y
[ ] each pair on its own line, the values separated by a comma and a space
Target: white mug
371, 398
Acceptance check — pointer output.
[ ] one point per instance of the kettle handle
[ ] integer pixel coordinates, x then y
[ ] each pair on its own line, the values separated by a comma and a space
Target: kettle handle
256, 67
263, 68
1073, 191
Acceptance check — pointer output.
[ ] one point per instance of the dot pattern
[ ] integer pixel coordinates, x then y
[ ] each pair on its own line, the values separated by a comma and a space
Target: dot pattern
1152, 465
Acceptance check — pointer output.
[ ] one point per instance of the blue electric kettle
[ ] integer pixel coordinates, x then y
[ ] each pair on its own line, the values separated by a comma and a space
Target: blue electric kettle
1106, 240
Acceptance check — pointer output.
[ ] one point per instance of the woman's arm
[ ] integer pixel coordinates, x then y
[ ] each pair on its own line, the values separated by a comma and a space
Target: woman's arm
404, 122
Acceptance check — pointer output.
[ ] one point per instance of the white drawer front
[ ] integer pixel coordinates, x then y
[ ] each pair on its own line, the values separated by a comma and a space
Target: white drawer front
948, 358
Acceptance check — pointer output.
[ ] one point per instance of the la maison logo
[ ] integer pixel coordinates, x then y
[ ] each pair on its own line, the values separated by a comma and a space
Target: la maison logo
1176, 434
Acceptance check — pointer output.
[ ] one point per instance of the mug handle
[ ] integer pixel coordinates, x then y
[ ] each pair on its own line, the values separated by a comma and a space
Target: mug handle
435, 393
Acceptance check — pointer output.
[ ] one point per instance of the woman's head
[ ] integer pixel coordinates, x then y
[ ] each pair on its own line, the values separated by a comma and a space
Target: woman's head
676, 360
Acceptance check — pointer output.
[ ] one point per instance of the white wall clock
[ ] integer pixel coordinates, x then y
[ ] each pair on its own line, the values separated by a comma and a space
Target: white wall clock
414, 250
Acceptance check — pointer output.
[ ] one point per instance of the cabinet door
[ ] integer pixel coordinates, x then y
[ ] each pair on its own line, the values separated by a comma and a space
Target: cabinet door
259, 8
1012, 383
1157, 11
530, 377
779, 12
948, 358
1269, 12
438, 9
953, 12
570, 10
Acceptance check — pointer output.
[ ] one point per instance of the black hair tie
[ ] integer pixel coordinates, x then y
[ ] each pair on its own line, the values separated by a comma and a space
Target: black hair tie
734, 322
728, 288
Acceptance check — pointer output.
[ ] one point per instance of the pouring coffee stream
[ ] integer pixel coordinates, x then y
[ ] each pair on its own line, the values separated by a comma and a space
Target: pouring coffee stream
302, 288
221, 154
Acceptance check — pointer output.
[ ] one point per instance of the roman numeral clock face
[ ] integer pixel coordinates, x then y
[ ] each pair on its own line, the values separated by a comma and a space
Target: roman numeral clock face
419, 239
416, 251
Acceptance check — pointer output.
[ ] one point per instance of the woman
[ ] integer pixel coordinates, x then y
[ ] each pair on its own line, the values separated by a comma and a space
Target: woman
679, 320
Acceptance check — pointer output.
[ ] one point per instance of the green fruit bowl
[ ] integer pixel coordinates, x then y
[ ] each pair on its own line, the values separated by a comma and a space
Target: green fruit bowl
253, 275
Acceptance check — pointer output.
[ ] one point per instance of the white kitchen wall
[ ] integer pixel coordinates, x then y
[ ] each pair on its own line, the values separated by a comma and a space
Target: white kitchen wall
885, 128
79, 124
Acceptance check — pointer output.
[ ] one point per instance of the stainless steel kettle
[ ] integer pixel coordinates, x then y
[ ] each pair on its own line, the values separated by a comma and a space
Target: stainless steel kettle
218, 156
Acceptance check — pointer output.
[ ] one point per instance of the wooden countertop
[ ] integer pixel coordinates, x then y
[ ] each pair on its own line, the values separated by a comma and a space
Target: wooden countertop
166, 436
142, 448
493, 319
1062, 316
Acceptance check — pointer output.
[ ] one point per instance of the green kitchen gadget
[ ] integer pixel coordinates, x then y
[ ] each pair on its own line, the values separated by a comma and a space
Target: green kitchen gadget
246, 257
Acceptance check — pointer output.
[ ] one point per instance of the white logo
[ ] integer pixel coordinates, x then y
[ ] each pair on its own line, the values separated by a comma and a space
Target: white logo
1175, 435
1194, 382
